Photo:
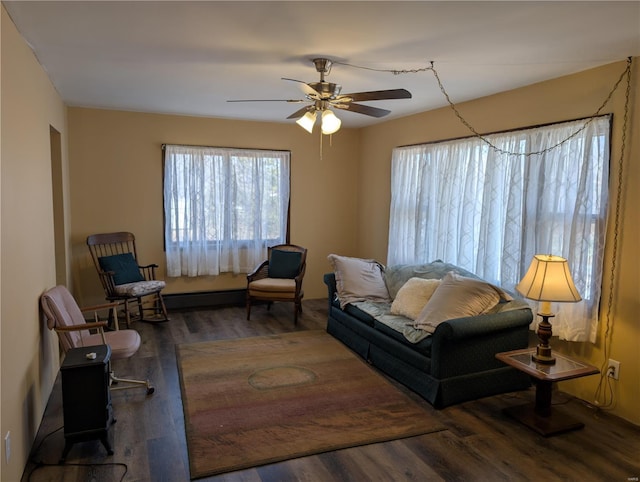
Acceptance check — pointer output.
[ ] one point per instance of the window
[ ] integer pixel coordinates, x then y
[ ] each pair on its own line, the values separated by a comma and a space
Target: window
468, 204
223, 207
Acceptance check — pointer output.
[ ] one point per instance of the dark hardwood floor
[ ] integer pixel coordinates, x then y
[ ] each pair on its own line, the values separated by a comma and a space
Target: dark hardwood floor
480, 443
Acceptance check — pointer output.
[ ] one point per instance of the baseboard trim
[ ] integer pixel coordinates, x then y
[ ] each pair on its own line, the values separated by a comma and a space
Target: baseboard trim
202, 299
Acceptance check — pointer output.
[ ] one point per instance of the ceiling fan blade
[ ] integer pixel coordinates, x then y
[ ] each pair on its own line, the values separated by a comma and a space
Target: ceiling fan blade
299, 112
378, 95
293, 101
306, 88
363, 109
293, 80
310, 91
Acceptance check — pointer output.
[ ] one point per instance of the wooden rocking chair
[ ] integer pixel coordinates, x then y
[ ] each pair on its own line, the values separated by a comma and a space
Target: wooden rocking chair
123, 279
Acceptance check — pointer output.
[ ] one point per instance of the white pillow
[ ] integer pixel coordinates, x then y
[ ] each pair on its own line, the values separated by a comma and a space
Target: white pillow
413, 296
458, 297
358, 280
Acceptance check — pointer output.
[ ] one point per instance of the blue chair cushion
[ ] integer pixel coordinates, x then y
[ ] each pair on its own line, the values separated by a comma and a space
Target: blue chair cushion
284, 264
124, 267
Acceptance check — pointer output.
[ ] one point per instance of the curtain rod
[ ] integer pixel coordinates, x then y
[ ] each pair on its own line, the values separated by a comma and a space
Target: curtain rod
164, 145
439, 141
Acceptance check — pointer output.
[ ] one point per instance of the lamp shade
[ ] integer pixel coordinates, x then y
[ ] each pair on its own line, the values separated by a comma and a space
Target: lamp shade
307, 121
330, 123
548, 279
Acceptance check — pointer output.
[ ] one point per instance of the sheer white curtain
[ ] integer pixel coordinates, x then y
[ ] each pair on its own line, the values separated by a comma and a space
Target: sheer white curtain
223, 208
467, 204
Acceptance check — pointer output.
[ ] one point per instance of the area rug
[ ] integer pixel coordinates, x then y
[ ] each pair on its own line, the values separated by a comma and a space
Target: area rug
254, 401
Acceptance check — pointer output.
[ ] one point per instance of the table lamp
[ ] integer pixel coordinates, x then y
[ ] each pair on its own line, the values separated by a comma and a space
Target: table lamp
547, 279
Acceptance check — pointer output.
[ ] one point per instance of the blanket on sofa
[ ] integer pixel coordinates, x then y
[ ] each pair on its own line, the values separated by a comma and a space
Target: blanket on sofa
382, 313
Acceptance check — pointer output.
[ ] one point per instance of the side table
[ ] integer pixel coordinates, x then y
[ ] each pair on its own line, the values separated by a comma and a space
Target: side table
541, 416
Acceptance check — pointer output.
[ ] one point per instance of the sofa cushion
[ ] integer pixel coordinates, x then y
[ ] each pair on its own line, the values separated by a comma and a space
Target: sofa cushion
381, 313
413, 296
358, 279
423, 346
458, 297
358, 314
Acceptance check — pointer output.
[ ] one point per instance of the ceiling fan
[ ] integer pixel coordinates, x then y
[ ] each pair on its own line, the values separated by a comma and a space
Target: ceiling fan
325, 95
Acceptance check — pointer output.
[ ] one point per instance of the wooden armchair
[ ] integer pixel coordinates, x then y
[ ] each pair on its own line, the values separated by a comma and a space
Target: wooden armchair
279, 278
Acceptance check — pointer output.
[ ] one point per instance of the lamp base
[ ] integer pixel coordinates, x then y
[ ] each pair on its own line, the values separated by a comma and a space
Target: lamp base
543, 350
543, 355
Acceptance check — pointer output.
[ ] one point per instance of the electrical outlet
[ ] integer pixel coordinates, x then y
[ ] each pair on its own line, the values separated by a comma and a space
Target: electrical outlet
613, 369
7, 446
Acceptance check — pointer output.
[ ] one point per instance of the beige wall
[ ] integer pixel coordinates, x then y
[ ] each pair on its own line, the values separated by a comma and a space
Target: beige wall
29, 352
116, 185
339, 204
566, 98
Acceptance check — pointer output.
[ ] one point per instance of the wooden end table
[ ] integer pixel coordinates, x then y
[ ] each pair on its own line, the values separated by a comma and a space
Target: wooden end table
541, 416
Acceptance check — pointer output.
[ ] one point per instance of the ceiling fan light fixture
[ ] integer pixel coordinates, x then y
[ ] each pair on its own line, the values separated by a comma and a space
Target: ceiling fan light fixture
307, 121
330, 122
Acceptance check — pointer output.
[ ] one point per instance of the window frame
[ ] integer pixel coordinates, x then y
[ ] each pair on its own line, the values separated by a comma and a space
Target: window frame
215, 243
411, 215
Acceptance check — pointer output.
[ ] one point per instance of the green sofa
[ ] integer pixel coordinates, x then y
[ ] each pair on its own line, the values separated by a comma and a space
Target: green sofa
454, 364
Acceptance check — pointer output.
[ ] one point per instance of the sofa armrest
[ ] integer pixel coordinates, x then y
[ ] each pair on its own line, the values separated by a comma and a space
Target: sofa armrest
474, 326
330, 281
467, 345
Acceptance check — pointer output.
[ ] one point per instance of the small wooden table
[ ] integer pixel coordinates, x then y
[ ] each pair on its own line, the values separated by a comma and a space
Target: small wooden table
541, 416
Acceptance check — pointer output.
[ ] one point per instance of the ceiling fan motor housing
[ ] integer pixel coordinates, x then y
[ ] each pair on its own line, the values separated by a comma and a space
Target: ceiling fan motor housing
327, 90
322, 65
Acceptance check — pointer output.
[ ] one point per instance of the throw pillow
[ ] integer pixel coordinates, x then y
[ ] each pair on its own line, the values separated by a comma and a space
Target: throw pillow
284, 264
458, 297
124, 267
413, 296
358, 280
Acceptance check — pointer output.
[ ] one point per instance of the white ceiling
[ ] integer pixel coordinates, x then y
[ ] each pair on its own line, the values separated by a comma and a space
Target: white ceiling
191, 57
